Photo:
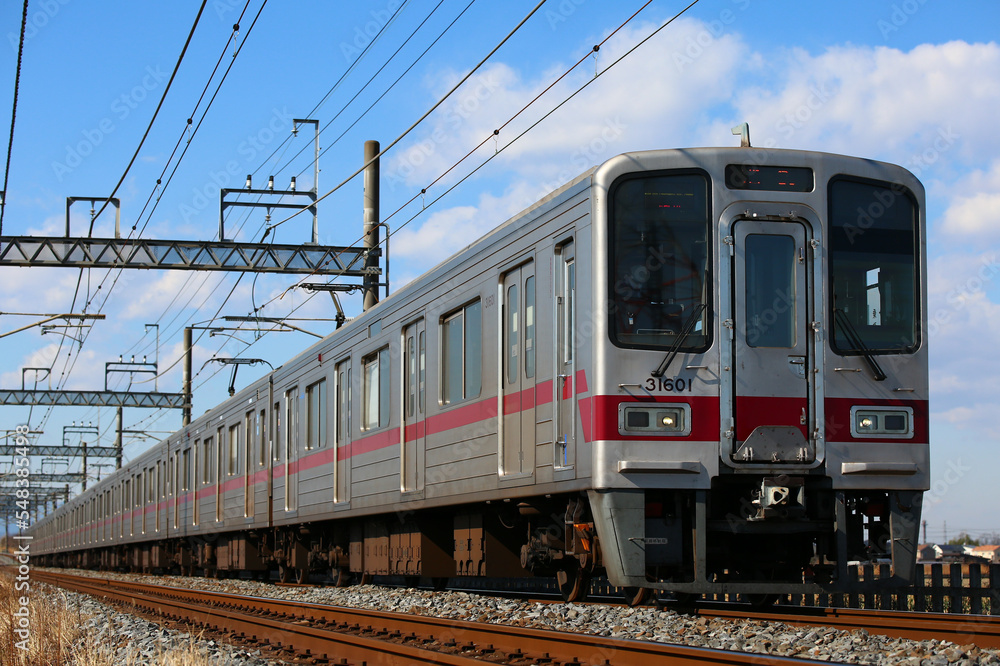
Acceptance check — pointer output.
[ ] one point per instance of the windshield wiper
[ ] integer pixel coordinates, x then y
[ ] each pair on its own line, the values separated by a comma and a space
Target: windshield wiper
672, 352
840, 317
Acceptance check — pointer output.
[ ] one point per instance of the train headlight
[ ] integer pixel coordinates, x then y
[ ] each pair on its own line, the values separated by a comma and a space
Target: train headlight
896, 422
654, 419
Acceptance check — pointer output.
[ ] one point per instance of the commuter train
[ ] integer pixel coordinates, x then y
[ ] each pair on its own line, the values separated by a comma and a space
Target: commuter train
698, 371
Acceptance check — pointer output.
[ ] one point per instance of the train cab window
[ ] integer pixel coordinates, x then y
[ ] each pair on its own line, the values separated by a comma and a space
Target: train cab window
376, 389
659, 260
874, 284
462, 354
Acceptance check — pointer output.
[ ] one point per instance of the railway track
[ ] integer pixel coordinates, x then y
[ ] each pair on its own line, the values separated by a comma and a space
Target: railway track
980, 630
344, 636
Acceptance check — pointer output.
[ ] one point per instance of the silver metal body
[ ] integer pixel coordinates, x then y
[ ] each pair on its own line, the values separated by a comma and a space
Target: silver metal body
547, 421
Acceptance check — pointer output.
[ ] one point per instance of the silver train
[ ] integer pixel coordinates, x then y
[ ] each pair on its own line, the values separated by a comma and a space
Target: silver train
699, 371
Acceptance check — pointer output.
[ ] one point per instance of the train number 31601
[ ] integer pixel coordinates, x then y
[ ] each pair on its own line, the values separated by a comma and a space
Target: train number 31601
677, 384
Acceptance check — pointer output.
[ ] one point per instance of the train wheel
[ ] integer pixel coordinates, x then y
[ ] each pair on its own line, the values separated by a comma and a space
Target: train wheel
574, 583
341, 577
284, 573
636, 596
301, 576
366, 579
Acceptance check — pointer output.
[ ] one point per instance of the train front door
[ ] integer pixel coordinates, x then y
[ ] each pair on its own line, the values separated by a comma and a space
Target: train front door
771, 332
518, 381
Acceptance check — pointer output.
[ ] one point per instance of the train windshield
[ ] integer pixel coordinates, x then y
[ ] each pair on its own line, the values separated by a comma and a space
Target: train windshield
658, 247
873, 249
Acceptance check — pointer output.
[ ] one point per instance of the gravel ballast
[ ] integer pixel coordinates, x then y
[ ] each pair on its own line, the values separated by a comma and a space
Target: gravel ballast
644, 623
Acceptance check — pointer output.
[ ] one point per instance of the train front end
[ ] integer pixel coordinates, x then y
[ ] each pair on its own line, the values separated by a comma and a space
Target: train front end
760, 418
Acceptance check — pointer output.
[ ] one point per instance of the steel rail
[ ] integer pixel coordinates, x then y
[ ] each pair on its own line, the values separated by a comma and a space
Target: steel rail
980, 630
253, 628
314, 627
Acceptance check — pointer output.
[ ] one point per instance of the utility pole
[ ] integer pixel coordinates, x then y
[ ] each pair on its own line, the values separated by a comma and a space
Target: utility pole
371, 215
119, 418
186, 386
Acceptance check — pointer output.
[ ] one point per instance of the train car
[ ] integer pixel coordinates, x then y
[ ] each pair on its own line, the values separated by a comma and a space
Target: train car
697, 371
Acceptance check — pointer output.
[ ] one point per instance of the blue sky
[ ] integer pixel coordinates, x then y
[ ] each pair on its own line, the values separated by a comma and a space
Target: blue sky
914, 82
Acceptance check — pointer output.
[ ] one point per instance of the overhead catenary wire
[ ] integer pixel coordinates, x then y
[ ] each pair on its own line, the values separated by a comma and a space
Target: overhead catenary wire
69, 362
518, 113
535, 124
413, 126
156, 112
372, 78
340, 79
398, 79
532, 126
193, 132
421, 118
13, 113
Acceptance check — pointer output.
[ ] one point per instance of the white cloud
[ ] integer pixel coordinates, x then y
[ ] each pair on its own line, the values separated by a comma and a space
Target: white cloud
974, 209
645, 101
152, 294
86, 366
440, 236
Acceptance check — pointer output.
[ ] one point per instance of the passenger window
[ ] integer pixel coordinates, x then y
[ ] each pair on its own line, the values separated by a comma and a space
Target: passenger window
462, 354
376, 389
316, 415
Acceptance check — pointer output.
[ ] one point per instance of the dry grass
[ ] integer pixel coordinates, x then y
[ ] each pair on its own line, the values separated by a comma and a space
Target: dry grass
56, 635
51, 627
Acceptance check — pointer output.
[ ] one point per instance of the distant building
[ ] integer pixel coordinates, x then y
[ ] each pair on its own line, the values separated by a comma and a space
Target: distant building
926, 553
990, 554
948, 553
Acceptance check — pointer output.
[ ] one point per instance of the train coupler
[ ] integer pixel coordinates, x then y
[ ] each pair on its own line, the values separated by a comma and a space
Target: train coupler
780, 498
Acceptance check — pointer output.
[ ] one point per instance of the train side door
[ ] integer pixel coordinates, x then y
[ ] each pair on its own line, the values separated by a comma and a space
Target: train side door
413, 432
771, 337
518, 371
565, 353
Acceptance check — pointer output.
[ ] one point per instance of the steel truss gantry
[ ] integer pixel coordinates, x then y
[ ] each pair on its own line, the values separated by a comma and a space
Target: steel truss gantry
62, 451
93, 399
77, 252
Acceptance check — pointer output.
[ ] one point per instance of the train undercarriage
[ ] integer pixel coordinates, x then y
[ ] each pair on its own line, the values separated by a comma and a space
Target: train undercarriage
755, 539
